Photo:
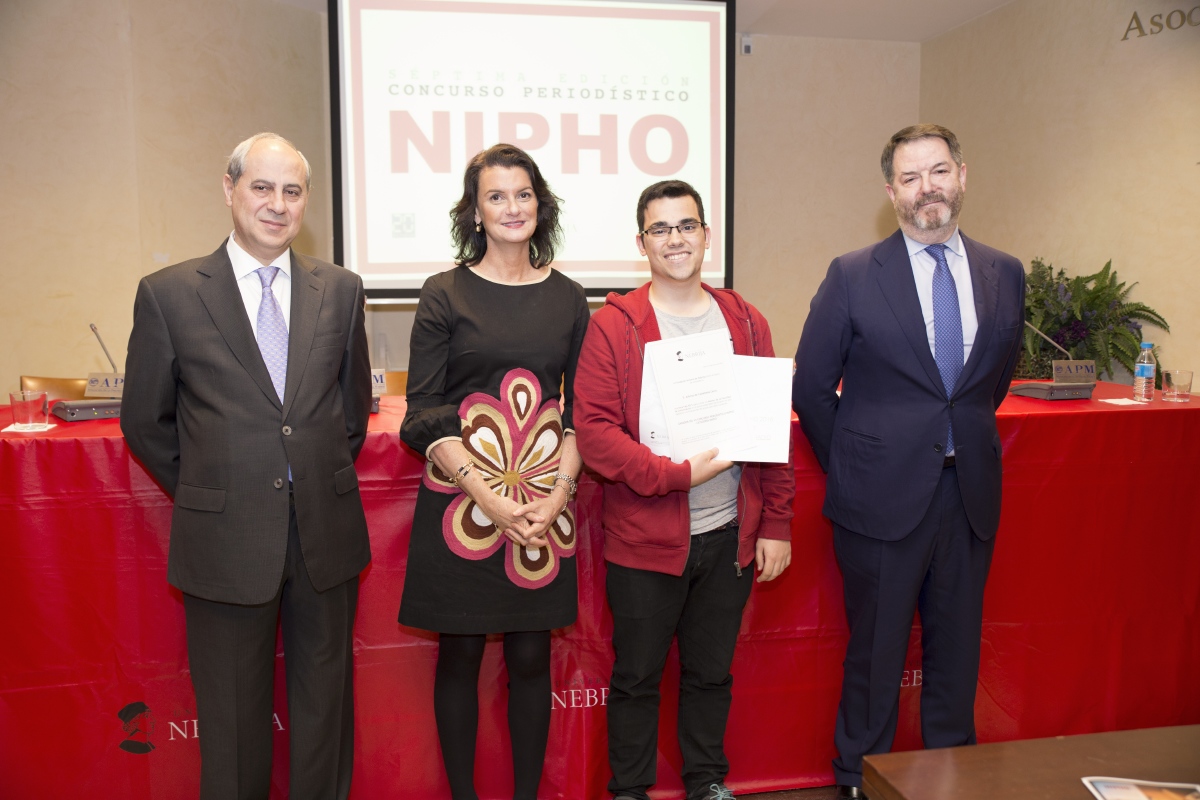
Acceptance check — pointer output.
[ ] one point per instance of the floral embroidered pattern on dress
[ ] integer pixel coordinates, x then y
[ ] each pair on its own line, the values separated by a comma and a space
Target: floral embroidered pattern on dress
516, 443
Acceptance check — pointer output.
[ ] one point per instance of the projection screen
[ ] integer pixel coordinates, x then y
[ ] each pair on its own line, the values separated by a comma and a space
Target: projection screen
607, 97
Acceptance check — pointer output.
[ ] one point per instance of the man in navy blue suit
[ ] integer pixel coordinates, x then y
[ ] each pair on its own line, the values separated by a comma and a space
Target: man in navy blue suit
923, 332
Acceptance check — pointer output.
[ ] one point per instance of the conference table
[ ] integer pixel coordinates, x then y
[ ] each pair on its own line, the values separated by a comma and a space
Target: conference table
1038, 768
1092, 619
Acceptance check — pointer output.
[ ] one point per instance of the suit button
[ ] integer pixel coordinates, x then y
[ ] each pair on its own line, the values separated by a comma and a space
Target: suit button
287, 430
937, 448
279, 483
952, 405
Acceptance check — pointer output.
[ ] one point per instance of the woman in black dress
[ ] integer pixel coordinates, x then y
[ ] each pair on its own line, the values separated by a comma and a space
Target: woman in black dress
493, 542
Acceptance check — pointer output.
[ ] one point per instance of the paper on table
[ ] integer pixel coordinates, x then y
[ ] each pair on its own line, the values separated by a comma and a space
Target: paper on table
1131, 789
1124, 401
37, 428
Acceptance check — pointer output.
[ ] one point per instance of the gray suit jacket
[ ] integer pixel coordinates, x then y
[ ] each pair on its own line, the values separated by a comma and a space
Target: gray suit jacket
881, 442
200, 413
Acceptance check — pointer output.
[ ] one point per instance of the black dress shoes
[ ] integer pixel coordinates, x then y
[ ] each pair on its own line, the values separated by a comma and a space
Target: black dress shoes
849, 793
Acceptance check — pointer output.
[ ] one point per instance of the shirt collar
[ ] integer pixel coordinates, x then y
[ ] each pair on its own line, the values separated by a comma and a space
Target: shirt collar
954, 244
244, 263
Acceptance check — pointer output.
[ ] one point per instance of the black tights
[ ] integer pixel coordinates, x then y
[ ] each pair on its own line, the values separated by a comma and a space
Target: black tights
456, 707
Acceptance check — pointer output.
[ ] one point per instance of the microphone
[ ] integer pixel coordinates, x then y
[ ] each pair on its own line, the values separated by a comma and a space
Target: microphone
93, 407
92, 325
1079, 377
1028, 324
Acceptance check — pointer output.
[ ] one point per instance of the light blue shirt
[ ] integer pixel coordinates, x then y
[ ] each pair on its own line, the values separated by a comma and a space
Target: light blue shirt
250, 285
923, 266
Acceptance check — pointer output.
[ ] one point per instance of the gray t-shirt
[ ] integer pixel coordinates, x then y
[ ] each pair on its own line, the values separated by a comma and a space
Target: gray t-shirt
714, 502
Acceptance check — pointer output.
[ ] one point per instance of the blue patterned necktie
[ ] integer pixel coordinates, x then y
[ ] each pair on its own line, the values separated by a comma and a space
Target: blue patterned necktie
947, 327
272, 332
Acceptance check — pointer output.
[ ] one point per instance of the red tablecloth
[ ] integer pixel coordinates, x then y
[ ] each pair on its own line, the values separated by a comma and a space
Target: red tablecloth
1090, 619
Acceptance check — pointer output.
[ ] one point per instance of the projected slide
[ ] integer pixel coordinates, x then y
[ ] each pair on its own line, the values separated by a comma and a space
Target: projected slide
607, 98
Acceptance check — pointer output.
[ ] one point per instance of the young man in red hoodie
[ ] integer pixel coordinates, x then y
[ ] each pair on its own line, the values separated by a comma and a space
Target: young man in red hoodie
677, 536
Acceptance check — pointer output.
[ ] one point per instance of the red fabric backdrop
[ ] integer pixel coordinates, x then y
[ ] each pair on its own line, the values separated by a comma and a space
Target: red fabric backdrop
1090, 619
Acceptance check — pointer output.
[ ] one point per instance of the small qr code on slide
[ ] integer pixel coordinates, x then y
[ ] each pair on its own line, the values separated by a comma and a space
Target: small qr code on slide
404, 226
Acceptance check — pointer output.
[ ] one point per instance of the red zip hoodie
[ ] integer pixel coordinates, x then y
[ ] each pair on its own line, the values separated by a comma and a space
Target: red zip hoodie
646, 522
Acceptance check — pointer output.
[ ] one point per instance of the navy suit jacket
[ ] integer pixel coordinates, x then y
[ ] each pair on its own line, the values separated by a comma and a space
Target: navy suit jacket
882, 442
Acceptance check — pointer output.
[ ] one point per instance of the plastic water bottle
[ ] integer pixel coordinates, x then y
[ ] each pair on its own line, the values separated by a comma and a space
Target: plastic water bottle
1143, 374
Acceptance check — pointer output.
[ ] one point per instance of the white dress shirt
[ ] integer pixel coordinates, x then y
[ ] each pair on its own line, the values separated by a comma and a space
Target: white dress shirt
250, 285
923, 266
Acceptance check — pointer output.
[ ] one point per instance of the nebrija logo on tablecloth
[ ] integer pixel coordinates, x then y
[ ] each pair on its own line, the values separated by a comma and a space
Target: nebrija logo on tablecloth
579, 698
581, 692
138, 724
137, 721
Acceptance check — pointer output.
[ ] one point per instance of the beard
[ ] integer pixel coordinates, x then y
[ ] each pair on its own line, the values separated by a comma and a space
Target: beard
913, 214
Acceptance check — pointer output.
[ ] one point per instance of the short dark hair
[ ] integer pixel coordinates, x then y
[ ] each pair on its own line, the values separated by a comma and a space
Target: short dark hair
911, 134
470, 244
663, 189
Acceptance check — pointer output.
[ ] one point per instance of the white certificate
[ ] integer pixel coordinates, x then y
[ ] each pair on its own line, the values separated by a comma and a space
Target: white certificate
695, 382
698, 395
763, 391
652, 421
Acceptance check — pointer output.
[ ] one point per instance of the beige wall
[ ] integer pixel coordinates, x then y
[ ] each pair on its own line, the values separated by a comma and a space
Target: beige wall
812, 117
118, 116
1081, 147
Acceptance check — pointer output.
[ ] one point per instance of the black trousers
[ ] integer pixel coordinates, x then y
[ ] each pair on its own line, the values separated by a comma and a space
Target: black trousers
231, 651
940, 569
703, 607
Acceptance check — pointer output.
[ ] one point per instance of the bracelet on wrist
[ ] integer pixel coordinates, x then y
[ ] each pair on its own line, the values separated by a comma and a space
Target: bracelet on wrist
558, 512
462, 472
571, 484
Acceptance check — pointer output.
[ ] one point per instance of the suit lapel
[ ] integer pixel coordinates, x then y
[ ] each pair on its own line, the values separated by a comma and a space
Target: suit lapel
900, 291
308, 291
985, 290
225, 306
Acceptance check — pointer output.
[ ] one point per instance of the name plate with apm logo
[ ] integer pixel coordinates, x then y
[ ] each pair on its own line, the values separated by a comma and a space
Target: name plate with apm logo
1073, 380
1081, 371
378, 383
105, 384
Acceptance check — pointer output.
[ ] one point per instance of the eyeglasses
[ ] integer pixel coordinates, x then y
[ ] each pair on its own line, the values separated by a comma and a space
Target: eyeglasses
663, 231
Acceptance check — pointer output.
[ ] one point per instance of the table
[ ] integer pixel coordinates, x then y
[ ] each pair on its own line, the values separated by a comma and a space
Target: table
1090, 619
1037, 768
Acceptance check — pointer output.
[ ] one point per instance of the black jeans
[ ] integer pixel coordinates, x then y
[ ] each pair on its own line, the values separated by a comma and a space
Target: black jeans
703, 607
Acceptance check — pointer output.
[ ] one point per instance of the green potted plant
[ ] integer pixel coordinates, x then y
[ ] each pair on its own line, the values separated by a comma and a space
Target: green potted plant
1090, 316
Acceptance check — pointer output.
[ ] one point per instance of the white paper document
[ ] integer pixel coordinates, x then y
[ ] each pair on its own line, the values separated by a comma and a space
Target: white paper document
763, 391
1130, 789
696, 395
695, 383
652, 421
36, 428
